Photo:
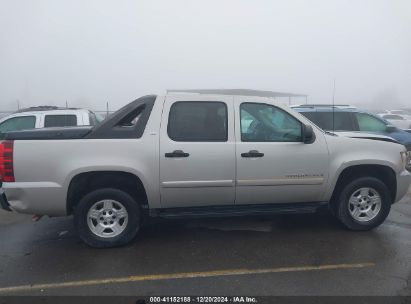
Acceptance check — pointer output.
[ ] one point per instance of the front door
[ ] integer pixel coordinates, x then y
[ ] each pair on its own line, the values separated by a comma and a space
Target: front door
273, 163
197, 152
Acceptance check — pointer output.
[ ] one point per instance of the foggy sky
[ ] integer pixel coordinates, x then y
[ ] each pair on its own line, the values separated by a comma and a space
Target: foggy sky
91, 52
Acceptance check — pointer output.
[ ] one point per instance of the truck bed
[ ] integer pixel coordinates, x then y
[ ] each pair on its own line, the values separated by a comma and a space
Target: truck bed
117, 126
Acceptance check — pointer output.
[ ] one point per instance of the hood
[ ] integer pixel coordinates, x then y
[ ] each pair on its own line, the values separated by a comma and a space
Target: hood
365, 135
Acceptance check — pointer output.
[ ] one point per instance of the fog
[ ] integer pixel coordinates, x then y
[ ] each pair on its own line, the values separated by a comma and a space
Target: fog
92, 52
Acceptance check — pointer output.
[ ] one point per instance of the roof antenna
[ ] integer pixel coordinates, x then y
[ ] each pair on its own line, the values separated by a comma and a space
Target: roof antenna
334, 107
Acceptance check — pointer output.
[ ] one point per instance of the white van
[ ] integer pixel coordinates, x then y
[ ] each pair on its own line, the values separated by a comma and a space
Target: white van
45, 117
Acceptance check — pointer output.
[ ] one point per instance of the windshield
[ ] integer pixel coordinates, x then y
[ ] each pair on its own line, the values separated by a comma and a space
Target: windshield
18, 123
95, 119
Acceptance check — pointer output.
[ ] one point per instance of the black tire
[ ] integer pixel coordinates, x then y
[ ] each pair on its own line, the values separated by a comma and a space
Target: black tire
342, 204
92, 239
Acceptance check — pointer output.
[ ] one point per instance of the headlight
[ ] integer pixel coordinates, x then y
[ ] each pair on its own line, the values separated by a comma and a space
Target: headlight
406, 159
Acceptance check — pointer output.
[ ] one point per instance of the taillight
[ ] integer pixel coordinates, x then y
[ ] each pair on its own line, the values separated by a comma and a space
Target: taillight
6, 161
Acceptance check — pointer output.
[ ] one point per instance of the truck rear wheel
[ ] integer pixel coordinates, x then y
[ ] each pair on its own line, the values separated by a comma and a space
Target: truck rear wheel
107, 218
363, 204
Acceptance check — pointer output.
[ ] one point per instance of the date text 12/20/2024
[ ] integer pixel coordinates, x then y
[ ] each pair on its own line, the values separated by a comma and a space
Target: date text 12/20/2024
203, 299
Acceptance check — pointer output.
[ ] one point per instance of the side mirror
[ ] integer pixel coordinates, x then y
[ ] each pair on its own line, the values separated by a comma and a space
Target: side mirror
308, 134
391, 128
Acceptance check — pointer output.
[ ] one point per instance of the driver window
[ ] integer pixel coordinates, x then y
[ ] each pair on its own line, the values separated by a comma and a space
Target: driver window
266, 123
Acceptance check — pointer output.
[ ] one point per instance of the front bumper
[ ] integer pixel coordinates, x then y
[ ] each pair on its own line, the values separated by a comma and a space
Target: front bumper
403, 184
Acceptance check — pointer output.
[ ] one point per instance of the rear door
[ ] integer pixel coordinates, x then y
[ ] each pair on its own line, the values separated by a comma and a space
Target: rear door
197, 152
273, 163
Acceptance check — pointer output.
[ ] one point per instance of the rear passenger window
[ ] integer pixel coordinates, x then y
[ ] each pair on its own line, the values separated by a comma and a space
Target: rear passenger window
198, 121
342, 120
60, 121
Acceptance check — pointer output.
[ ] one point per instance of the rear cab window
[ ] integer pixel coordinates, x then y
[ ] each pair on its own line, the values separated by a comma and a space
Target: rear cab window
53, 120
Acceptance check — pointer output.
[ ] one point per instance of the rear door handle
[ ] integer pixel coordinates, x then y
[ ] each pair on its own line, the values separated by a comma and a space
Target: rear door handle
252, 153
177, 153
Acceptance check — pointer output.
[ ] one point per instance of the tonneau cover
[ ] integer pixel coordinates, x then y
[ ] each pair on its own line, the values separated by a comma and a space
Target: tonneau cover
47, 133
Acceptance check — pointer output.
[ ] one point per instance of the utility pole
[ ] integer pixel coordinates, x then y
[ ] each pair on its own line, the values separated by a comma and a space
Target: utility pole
107, 110
66, 104
18, 104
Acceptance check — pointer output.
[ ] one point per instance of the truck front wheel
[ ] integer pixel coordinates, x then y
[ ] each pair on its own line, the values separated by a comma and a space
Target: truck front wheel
363, 204
107, 218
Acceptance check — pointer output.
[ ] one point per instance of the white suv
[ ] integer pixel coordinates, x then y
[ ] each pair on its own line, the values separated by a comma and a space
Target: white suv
45, 117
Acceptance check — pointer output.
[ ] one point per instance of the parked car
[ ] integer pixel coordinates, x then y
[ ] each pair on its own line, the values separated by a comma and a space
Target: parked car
397, 120
404, 113
198, 155
46, 116
352, 120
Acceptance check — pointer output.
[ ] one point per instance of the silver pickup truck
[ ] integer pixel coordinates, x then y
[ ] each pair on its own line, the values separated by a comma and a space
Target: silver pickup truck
194, 155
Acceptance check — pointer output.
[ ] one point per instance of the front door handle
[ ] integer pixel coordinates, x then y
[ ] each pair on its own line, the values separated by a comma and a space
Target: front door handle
177, 153
252, 153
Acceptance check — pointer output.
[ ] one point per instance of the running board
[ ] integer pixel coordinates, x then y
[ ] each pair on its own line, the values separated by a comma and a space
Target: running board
236, 210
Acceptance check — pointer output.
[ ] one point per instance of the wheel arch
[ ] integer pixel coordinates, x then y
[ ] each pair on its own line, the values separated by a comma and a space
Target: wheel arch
85, 182
384, 173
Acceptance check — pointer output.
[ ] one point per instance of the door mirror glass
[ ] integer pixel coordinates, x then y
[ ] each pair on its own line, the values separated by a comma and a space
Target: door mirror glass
308, 134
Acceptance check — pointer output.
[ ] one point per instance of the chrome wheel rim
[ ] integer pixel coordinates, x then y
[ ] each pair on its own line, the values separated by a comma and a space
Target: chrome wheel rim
364, 204
107, 218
